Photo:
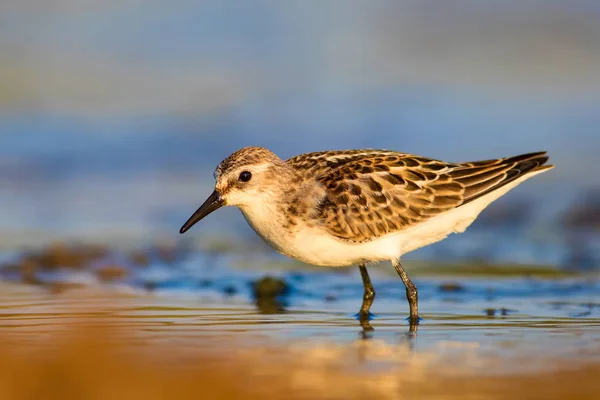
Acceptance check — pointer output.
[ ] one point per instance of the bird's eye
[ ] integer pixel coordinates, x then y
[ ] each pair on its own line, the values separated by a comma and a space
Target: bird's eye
245, 176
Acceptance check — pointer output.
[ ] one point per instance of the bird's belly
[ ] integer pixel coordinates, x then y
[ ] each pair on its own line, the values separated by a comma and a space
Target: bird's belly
317, 247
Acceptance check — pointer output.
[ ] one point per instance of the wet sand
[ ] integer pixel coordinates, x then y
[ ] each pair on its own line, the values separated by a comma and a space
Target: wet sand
100, 342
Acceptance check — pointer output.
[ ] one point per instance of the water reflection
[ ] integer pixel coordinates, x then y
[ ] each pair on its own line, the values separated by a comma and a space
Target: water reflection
270, 305
368, 332
270, 295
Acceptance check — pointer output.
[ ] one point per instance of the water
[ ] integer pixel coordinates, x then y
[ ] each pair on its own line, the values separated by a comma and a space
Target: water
522, 323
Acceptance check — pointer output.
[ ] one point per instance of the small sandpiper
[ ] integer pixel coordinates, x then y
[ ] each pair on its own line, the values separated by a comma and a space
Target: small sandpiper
354, 207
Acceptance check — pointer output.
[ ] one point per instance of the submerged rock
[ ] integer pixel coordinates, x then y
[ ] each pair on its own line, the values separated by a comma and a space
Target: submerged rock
270, 306
61, 255
58, 256
269, 294
269, 287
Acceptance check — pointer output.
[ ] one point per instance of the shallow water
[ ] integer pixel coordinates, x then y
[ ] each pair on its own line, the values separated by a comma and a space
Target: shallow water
480, 319
522, 324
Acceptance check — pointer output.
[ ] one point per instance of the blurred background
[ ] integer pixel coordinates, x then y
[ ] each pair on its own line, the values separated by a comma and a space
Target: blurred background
114, 114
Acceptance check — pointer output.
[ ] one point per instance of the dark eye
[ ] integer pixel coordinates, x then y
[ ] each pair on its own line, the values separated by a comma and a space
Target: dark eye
245, 176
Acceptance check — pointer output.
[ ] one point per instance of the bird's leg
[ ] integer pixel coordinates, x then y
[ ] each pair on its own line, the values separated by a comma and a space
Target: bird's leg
368, 296
411, 292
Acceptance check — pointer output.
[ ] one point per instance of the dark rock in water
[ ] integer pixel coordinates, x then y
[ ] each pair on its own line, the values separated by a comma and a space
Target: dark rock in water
490, 312
270, 305
230, 290
61, 255
150, 286
269, 287
54, 257
451, 287
268, 294
330, 298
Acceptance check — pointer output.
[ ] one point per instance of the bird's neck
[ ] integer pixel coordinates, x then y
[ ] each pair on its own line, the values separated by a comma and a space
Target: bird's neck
279, 212
267, 218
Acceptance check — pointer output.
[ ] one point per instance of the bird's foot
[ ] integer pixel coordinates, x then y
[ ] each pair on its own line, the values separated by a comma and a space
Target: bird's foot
414, 319
364, 316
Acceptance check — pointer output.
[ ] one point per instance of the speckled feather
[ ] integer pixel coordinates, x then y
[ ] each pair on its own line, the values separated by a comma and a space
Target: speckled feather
371, 193
244, 156
358, 196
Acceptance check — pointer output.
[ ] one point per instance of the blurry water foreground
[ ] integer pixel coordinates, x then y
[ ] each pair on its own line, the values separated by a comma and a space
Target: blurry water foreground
167, 323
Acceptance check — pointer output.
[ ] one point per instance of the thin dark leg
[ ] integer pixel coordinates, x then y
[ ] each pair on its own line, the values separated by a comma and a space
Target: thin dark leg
369, 294
411, 292
368, 298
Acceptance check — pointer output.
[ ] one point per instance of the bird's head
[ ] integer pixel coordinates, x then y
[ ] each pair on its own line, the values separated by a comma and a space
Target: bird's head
240, 179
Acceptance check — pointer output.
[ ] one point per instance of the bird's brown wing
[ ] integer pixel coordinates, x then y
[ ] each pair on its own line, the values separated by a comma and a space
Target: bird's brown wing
370, 193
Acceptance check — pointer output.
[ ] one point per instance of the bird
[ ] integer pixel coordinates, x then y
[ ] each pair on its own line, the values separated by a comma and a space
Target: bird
360, 207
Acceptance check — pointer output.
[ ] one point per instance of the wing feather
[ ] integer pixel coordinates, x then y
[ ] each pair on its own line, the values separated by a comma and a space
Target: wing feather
370, 193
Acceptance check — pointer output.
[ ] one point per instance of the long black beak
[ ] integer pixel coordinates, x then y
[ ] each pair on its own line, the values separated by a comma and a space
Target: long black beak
211, 204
